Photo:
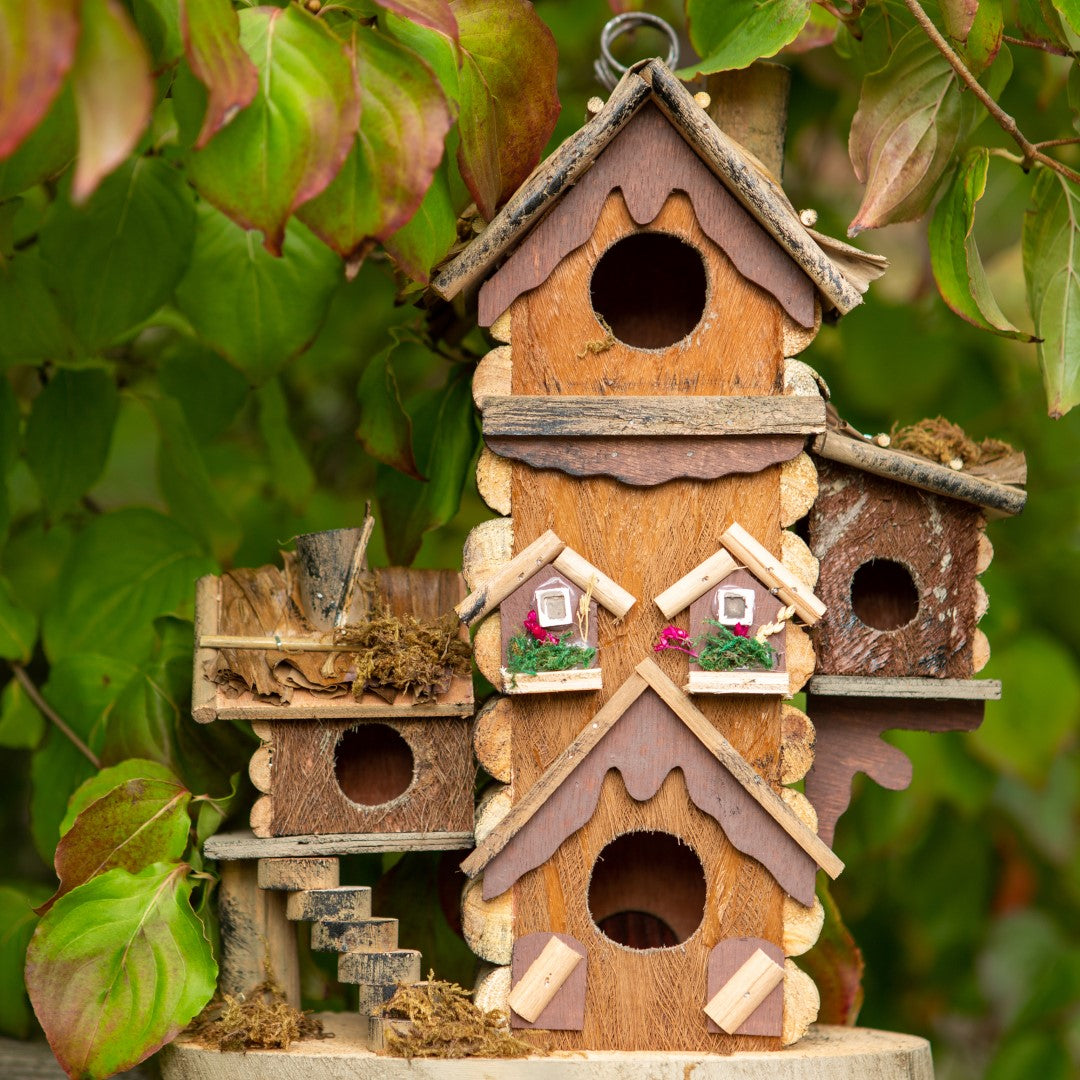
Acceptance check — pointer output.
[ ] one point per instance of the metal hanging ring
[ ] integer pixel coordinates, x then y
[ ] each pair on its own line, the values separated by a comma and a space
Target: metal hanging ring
608, 70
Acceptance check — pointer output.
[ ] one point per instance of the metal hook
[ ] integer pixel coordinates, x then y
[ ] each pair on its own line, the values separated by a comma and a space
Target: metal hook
608, 70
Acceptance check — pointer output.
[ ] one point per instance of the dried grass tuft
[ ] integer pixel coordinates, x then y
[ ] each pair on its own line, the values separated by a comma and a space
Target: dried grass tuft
941, 440
262, 1020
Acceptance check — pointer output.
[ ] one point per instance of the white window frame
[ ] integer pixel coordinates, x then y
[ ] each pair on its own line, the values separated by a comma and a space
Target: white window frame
747, 596
546, 590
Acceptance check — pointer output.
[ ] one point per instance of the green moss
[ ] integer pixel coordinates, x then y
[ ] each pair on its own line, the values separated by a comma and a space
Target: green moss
722, 650
527, 656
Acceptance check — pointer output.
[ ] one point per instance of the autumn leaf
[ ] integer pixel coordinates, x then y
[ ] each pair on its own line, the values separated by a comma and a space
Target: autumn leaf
904, 133
434, 14
958, 16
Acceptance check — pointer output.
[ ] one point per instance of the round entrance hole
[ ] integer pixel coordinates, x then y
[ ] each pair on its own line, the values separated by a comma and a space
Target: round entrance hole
884, 595
647, 891
373, 764
650, 288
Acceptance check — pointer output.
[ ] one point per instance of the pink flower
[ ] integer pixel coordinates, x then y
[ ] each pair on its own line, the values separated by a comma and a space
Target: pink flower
671, 637
741, 631
532, 624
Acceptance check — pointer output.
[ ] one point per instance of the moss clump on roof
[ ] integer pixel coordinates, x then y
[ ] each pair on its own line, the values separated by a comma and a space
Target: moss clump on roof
261, 1020
721, 649
941, 440
527, 656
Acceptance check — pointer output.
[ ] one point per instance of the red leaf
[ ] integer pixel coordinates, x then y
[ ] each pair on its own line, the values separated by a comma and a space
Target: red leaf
211, 33
114, 93
37, 48
403, 121
508, 99
435, 14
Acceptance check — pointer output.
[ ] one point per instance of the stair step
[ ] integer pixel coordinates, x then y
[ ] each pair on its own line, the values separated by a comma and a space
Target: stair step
378, 1026
293, 875
380, 968
373, 997
342, 904
371, 935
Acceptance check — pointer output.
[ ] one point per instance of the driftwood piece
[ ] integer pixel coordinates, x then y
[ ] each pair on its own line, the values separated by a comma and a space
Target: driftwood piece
745, 989
651, 460
798, 489
920, 473
493, 590
548, 983
801, 1003
849, 741
488, 547
492, 737
556, 417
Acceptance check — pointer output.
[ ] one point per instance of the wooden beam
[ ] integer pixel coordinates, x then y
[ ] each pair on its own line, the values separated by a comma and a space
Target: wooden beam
227, 847
587, 578
203, 689
754, 784
738, 682
920, 473
929, 689
552, 682
736, 1000
556, 772
493, 590
572, 416
772, 572
543, 980
698, 582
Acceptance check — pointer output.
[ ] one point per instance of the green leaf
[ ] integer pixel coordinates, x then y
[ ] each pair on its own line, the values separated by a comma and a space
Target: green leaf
114, 92
17, 922
211, 33
1052, 272
505, 119
21, 725
81, 689
437, 50
210, 391
985, 37
434, 14
33, 326
904, 133
18, 627
423, 241
403, 122
118, 967
9, 427
836, 965
385, 430
107, 779
37, 50
213, 811
1070, 12
68, 435
958, 16
137, 823
44, 153
185, 481
125, 569
954, 255
290, 142
257, 311
115, 261
32, 559
292, 475
446, 441
159, 24
737, 32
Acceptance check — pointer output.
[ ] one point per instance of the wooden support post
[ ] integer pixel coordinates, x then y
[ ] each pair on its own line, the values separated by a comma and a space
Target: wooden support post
257, 940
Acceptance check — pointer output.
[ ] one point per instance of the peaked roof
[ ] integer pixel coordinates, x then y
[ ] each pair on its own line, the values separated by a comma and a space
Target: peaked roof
787, 849
840, 272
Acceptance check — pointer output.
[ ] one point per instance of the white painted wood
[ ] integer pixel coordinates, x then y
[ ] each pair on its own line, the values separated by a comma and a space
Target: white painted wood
738, 682
553, 682
929, 689
243, 845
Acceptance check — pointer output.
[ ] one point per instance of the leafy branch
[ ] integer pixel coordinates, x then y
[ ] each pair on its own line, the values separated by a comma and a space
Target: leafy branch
50, 714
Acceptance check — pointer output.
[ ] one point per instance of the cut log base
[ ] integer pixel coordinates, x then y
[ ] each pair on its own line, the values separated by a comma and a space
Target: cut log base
826, 1053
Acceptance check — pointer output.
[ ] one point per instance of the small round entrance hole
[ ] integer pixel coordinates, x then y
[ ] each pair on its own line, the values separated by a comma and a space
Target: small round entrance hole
650, 288
647, 891
883, 594
373, 764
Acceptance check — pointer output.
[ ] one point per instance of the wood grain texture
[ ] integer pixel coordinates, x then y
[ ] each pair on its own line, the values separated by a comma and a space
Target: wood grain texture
492, 737
492, 987
860, 686
204, 692
802, 926
800, 655
799, 559
798, 489
501, 328
298, 875
573, 680
797, 743
493, 481
859, 517
548, 976
738, 682
801, 1003
230, 847
487, 650
492, 376
488, 547
704, 577
751, 107
594, 581
920, 473
555, 416
488, 925
649, 137
746, 1006
309, 800
257, 940
645, 461
521, 601
848, 741
492, 591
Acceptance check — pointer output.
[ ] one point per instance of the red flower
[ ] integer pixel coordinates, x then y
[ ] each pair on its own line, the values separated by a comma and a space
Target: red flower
671, 637
740, 630
532, 624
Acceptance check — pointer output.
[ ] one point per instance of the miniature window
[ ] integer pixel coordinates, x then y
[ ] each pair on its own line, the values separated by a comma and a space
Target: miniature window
735, 607
553, 606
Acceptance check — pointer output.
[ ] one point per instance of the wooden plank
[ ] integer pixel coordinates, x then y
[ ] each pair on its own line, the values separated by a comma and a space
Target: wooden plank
554, 775
553, 416
738, 682
543, 979
298, 875
229, 847
204, 691
536, 196
826, 1053
738, 766
920, 473
733, 1004
553, 682
772, 572
308, 706
867, 686
594, 582
492, 591
700, 580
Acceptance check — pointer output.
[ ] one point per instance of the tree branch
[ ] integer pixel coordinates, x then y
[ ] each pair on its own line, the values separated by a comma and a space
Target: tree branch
51, 715
1007, 124
1042, 46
